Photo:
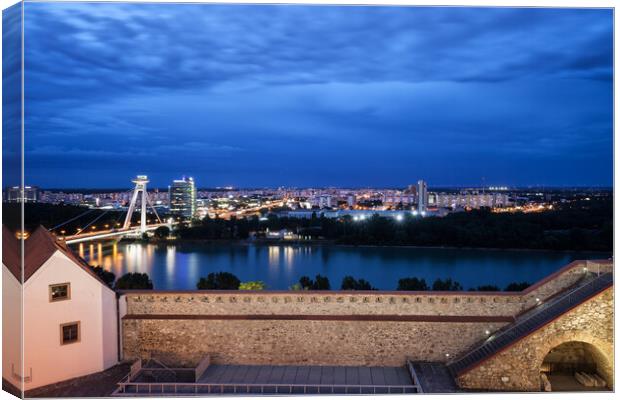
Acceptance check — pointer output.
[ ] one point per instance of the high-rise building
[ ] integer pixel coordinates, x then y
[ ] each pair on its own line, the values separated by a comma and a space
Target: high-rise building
351, 201
14, 194
182, 198
422, 196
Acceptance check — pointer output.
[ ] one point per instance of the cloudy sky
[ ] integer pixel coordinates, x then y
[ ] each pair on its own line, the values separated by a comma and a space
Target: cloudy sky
317, 96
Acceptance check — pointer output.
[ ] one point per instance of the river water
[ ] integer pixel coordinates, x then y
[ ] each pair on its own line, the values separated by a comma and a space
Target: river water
180, 266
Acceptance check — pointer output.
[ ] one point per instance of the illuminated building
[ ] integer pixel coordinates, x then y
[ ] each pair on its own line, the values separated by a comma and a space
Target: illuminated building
31, 194
422, 196
182, 198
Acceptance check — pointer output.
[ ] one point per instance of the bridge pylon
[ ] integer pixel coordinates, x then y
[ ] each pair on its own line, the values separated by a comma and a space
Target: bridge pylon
140, 181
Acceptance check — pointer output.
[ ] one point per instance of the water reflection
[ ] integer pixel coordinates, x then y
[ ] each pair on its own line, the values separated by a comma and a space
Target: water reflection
274, 256
181, 266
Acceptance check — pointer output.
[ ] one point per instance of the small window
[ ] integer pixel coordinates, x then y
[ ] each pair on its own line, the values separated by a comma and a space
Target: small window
61, 291
70, 333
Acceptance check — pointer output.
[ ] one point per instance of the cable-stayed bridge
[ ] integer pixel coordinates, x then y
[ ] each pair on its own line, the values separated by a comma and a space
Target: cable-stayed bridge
126, 229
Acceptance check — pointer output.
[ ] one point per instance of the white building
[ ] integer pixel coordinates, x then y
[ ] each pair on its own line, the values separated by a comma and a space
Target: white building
472, 200
398, 198
422, 196
70, 324
351, 200
323, 201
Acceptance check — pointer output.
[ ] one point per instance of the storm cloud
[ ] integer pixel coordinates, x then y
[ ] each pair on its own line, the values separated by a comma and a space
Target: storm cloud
317, 95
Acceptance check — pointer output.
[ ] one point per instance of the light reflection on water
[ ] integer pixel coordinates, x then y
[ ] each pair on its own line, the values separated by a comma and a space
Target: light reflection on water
181, 266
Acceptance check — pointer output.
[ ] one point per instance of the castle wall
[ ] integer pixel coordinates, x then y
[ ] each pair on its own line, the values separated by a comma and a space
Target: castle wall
518, 366
322, 327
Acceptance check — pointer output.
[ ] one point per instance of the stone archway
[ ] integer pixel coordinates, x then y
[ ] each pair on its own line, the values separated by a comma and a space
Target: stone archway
566, 356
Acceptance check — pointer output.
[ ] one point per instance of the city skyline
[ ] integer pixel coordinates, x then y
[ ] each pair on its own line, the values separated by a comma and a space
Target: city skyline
313, 96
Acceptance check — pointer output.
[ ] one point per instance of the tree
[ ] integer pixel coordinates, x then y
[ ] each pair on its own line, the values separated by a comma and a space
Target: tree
516, 286
219, 281
145, 236
134, 280
319, 283
106, 276
485, 288
252, 285
447, 285
350, 283
306, 283
412, 284
162, 232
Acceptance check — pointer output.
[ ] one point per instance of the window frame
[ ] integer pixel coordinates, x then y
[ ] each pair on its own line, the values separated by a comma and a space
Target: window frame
52, 286
79, 333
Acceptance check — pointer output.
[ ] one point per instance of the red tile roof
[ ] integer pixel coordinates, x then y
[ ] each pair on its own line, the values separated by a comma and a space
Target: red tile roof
11, 250
38, 248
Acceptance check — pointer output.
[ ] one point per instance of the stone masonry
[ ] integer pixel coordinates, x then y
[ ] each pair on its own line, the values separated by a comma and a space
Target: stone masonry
518, 366
345, 328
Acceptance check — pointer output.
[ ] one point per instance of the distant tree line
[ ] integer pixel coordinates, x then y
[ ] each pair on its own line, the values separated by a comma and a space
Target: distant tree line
579, 225
576, 225
228, 281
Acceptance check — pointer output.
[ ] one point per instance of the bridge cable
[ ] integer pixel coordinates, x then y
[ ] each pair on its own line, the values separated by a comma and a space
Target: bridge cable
94, 220
122, 211
72, 219
148, 201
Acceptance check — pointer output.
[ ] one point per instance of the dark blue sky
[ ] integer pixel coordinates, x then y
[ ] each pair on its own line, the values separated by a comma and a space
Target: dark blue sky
313, 95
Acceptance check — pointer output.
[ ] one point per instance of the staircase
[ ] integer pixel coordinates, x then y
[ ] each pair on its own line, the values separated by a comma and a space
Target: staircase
531, 321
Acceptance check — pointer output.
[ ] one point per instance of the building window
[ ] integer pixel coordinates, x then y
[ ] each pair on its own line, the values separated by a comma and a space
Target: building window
70, 333
61, 291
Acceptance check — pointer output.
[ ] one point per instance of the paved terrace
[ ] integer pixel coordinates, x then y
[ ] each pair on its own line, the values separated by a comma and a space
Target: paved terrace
271, 379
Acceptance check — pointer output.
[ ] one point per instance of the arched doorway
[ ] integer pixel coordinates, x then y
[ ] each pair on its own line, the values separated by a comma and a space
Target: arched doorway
575, 366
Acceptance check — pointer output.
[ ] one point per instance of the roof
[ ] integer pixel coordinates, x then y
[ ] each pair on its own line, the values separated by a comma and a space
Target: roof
11, 248
38, 248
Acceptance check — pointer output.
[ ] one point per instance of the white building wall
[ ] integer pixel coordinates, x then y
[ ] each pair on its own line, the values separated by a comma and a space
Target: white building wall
110, 336
11, 328
90, 304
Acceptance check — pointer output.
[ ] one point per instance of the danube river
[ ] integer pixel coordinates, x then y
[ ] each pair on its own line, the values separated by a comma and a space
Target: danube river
180, 266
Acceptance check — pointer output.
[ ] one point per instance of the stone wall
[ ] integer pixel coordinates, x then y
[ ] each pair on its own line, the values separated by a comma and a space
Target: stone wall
321, 327
351, 303
518, 367
306, 342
